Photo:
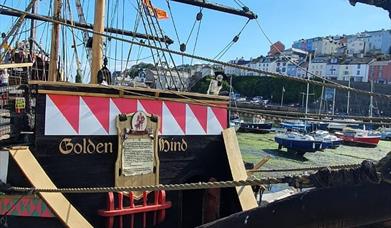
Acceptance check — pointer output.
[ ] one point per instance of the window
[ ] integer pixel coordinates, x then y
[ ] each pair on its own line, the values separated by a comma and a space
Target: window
358, 72
346, 72
358, 66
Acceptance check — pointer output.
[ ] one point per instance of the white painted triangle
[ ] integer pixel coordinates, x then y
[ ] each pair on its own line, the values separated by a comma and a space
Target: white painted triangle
55, 121
114, 112
140, 107
88, 124
214, 126
169, 125
193, 126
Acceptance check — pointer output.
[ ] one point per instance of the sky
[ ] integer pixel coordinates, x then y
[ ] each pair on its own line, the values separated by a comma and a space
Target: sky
282, 20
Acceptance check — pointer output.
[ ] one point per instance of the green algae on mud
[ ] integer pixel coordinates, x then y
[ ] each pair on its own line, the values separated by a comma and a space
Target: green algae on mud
257, 146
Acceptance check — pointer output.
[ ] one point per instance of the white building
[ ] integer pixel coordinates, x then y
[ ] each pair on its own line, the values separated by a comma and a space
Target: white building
318, 66
356, 46
332, 69
234, 70
354, 69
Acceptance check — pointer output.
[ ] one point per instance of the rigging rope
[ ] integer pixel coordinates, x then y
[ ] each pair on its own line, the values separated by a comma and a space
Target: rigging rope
230, 44
153, 28
196, 40
140, 11
169, 54
266, 73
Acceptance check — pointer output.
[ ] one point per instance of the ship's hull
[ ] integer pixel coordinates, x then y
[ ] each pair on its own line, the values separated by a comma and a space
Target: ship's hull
76, 145
365, 141
328, 207
300, 146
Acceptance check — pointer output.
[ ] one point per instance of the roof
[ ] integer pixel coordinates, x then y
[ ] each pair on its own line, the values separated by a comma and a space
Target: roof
320, 59
352, 61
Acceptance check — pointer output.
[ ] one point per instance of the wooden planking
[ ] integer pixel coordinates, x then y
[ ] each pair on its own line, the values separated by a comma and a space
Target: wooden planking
71, 93
238, 171
15, 65
157, 92
39, 179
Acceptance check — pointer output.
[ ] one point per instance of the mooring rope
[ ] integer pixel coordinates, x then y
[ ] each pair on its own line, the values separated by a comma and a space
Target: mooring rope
168, 187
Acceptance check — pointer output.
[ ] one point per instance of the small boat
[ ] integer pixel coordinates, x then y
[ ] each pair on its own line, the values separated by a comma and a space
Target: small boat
295, 125
259, 125
328, 141
235, 123
358, 137
297, 142
339, 126
385, 133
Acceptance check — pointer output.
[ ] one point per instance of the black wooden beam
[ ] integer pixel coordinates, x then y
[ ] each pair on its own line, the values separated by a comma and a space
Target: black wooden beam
245, 12
164, 39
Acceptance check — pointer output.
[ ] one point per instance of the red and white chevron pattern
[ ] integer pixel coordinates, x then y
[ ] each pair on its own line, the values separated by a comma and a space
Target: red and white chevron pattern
84, 115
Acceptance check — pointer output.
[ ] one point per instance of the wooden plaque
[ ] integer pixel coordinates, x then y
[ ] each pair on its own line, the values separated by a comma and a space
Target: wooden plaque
137, 161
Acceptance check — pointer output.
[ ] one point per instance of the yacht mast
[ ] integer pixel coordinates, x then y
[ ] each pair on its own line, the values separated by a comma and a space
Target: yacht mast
53, 71
97, 40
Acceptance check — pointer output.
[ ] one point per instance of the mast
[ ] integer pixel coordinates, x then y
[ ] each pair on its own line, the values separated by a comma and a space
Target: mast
55, 42
321, 99
32, 31
348, 101
371, 101
335, 91
308, 89
97, 40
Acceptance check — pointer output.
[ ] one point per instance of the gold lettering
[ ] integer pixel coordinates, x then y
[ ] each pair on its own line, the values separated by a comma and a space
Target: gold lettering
66, 146
86, 146
109, 145
99, 146
183, 145
78, 148
90, 147
166, 145
176, 145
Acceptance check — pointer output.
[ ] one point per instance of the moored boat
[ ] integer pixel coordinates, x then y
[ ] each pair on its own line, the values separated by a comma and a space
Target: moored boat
385, 133
358, 137
328, 141
295, 125
259, 125
338, 125
296, 142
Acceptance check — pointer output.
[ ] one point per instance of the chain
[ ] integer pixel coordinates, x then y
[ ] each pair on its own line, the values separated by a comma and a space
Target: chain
312, 168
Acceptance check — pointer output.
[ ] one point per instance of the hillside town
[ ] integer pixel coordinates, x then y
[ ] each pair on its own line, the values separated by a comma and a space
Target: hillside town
361, 57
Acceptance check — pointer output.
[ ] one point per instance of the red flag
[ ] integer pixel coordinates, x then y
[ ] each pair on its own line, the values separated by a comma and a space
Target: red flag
156, 12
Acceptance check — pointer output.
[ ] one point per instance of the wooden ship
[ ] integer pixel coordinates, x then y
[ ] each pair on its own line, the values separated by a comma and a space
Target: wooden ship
65, 134
74, 135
